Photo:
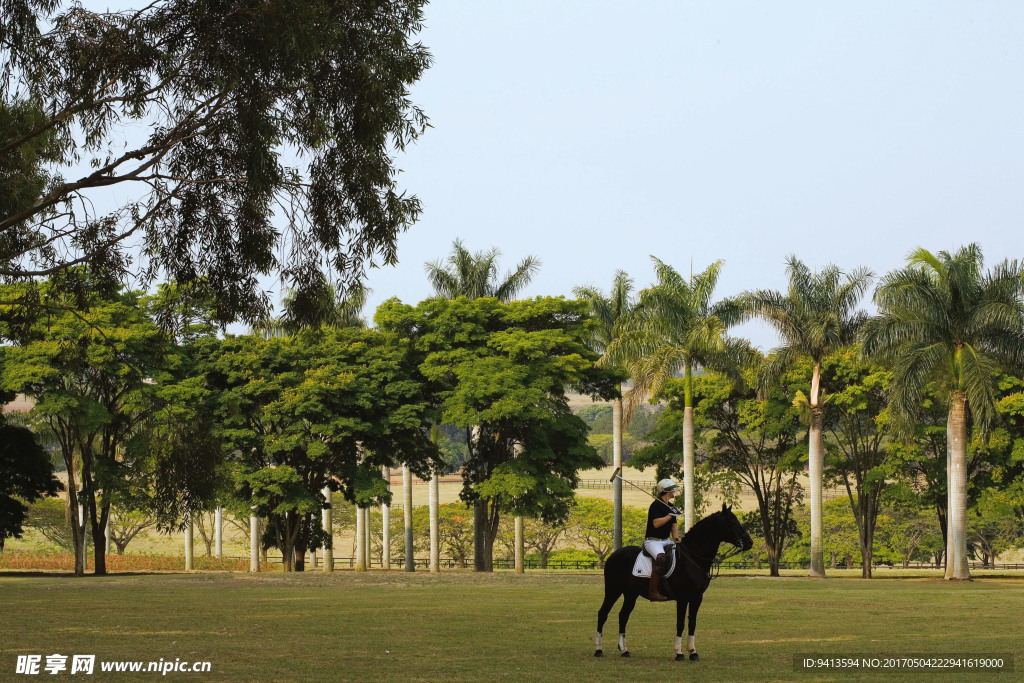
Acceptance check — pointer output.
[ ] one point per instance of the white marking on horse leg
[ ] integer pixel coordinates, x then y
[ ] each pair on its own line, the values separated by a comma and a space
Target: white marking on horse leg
690, 644
679, 645
597, 641
622, 642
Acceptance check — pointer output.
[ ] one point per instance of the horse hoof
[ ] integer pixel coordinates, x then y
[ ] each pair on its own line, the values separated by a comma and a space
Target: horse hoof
599, 653
680, 658
694, 657
626, 654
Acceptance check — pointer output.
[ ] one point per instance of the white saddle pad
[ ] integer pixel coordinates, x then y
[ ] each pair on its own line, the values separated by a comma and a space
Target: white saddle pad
644, 564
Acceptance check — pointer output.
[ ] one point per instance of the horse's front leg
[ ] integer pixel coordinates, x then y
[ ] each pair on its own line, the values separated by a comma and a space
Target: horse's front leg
680, 622
628, 603
691, 643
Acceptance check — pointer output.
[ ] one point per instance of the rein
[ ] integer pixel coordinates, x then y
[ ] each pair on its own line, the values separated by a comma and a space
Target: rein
714, 563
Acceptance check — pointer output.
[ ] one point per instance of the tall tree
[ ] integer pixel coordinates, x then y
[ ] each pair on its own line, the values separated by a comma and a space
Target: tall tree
100, 378
943, 319
320, 409
854, 420
675, 326
816, 316
474, 276
502, 373
754, 438
227, 94
608, 311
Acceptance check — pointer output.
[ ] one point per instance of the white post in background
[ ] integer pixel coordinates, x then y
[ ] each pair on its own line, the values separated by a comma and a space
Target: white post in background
410, 561
327, 519
435, 529
520, 547
85, 534
108, 531
520, 555
360, 540
218, 531
385, 515
254, 544
189, 542
369, 537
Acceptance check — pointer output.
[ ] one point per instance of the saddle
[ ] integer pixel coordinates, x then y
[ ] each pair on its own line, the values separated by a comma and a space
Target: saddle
644, 564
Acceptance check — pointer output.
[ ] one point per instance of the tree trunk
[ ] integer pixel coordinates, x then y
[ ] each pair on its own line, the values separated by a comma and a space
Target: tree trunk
360, 541
410, 561
815, 466
479, 542
520, 555
435, 529
327, 524
688, 511
385, 515
617, 463
957, 438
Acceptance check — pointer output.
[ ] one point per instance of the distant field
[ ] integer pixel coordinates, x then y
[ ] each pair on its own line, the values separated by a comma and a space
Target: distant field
460, 626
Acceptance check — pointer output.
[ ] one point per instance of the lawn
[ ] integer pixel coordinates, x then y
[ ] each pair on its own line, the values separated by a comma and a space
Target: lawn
469, 627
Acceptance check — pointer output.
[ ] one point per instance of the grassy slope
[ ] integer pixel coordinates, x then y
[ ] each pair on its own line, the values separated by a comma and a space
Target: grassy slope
469, 627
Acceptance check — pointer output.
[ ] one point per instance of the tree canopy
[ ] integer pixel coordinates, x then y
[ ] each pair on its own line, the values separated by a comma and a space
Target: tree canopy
212, 117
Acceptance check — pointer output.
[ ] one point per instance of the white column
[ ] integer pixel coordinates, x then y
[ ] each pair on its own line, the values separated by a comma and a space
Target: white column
617, 482
368, 541
520, 547
435, 529
189, 542
327, 519
254, 544
218, 532
108, 530
385, 514
360, 540
410, 563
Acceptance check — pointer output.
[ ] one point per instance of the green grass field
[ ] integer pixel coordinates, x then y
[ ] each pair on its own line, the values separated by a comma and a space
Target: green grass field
467, 627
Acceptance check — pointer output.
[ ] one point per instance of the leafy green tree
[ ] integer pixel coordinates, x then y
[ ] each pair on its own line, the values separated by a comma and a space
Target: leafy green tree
675, 327
841, 533
502, 373
589, 524
608, 311
474, 276
325, 408
855, 426
815, 317
247, 107
26, 474
97, 378
943, 319
756, 439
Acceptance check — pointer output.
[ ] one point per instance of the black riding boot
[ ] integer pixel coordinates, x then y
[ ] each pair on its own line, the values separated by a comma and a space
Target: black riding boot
658, 571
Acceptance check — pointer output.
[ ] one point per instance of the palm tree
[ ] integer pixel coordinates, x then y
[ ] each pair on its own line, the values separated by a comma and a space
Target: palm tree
676, 327
815, 317
608, 311
475, 276
941, 319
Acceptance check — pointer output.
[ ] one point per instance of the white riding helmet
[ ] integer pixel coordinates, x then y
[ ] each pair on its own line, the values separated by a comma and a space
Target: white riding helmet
666, 485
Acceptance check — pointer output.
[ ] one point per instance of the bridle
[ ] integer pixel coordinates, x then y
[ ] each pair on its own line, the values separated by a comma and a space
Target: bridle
714, 563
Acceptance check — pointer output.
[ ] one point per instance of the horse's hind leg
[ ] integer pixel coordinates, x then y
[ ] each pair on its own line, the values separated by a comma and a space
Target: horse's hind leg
610, 596
628, 603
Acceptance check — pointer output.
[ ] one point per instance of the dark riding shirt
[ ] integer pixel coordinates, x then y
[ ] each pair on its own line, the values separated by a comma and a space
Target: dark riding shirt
657, 510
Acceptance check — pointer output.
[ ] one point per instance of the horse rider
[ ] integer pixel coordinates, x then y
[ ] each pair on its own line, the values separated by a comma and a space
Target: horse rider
661, 524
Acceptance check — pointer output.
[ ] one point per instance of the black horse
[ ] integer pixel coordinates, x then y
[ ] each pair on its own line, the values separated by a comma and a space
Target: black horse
695, 554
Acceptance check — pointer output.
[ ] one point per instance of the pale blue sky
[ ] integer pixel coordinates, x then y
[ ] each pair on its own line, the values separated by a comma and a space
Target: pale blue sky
594, 134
